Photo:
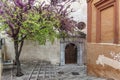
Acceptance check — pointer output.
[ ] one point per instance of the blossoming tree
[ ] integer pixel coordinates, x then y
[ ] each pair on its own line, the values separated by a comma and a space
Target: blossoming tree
21, 20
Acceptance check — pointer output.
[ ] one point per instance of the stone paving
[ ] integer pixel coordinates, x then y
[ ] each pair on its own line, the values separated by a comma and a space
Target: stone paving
75, 72
46, 71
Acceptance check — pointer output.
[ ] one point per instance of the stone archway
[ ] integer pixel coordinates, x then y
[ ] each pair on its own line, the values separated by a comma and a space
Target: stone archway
71, 54
79, 43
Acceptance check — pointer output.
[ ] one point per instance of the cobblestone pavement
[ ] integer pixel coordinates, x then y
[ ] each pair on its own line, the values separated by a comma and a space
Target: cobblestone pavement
46, 71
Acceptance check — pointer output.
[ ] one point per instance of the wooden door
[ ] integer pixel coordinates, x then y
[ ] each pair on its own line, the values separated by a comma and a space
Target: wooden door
71, 54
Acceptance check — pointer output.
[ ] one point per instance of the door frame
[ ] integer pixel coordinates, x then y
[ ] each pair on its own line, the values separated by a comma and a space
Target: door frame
80, 51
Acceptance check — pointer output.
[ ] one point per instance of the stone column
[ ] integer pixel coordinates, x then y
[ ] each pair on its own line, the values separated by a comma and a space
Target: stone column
81, 54
78, 54
62, 54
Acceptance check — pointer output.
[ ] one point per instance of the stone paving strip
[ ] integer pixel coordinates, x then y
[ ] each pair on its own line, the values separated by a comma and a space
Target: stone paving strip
42, 70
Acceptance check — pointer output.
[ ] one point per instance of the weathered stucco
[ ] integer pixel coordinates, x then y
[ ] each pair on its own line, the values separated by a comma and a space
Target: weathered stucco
100, 61
103, 49
80, 14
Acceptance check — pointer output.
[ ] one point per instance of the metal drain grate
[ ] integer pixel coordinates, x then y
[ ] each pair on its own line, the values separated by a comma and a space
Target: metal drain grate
75, 73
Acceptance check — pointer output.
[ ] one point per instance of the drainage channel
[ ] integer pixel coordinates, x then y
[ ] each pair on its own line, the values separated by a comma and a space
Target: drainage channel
43, 71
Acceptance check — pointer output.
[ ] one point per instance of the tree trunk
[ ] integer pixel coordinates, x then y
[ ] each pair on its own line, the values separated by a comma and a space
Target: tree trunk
19, 73
17, 55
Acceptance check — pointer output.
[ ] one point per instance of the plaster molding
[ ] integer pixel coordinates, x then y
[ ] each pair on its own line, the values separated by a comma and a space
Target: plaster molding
100, 6
89, 20
89, 1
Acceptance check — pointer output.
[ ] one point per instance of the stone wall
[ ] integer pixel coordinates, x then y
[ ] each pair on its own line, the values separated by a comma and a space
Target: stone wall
33, 51
49, 52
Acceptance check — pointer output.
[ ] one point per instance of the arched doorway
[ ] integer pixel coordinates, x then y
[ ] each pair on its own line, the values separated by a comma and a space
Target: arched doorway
71, 54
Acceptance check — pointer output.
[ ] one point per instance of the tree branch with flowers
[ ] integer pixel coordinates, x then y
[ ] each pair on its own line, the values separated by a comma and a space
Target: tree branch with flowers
23, 20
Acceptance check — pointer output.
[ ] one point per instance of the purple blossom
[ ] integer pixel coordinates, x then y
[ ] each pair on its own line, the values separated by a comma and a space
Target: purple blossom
24, 5
1, 11
31, 2
11, 26
19, 3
